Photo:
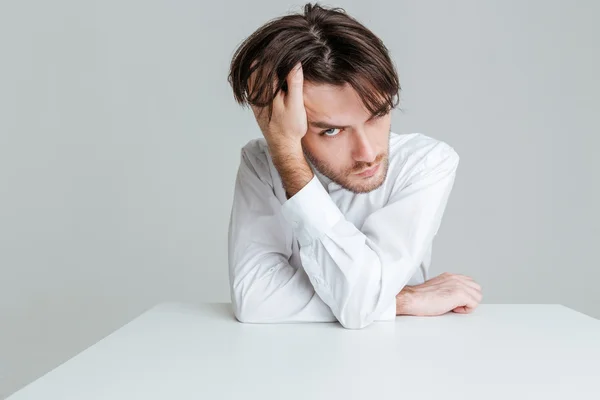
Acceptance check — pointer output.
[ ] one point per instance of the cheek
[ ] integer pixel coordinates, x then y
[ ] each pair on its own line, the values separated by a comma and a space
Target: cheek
339, 154
334, 153
382, 142
319, 147
310, 142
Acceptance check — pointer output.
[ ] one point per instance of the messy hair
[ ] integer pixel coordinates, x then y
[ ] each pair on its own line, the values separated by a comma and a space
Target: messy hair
333, 47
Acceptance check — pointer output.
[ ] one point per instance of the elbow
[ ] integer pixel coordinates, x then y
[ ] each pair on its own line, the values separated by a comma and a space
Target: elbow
250, 312
352, 318
239, 313
244, 314
243, 317
356, 308
246, 305
349, 324
251, 301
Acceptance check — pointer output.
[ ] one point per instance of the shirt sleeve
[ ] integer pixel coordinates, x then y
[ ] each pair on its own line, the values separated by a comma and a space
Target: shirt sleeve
264, 287
358, 273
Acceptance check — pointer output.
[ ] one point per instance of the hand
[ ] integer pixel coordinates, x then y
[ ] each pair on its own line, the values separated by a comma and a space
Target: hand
288, 123
439, 295
285, 130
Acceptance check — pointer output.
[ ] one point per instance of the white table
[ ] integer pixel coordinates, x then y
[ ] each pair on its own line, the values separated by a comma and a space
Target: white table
177, 351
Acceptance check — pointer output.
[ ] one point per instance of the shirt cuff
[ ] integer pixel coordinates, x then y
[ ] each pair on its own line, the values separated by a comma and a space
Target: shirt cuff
389, 314
311, 212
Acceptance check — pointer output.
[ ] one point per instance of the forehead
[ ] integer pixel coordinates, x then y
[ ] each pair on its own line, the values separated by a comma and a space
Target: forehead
338, 104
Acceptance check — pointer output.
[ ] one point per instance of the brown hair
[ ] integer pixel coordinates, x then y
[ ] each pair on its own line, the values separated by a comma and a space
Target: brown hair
333, 47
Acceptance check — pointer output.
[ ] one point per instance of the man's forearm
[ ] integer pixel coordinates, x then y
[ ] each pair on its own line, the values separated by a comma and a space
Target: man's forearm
292, 166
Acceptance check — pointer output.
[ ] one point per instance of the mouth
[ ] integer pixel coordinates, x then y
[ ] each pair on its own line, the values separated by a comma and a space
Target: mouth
369, 172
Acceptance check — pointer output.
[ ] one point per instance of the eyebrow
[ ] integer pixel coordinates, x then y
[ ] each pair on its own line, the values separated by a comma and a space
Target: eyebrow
327, 125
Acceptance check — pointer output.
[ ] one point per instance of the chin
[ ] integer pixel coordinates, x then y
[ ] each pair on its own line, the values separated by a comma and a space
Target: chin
362, 185
365, 187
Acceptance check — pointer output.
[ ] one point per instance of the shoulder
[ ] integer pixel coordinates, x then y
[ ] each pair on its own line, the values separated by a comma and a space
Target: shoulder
417, 147
415, 154
255, 158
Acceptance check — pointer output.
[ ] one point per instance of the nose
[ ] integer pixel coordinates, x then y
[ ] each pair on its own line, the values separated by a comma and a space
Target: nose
363, 150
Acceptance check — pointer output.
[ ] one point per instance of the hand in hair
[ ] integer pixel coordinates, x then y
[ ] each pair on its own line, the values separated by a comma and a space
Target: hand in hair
284, 131
288, 123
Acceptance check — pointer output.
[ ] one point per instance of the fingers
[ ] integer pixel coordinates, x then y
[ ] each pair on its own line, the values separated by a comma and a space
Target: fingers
467, 291
473, 300
258, 77
472, 284
294, 96
460, 293
464, 302
462, 310
470, 299
472, 290
295, 82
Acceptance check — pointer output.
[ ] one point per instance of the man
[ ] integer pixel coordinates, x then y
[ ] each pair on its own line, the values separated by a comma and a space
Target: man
334, 214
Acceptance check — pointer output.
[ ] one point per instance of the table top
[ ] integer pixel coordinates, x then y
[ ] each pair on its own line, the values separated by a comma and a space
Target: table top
179, 351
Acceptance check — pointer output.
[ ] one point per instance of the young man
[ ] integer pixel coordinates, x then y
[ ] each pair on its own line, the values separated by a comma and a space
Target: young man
334, 214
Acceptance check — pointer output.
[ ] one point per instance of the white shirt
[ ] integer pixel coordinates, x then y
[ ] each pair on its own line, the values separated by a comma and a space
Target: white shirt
326, 253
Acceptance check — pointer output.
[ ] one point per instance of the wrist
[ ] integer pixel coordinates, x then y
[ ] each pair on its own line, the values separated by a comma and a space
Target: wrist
404, 301
289, 160
285, 149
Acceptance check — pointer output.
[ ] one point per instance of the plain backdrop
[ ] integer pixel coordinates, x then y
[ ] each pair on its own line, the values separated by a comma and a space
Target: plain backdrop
120, 138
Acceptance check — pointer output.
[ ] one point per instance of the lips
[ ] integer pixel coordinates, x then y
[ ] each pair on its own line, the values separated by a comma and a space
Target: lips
369, 172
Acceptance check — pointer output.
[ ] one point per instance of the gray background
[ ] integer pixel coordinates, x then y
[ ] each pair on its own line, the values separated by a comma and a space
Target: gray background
119, 144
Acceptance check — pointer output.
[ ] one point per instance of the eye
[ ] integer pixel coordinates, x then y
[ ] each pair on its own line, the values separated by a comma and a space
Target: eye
329, 133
